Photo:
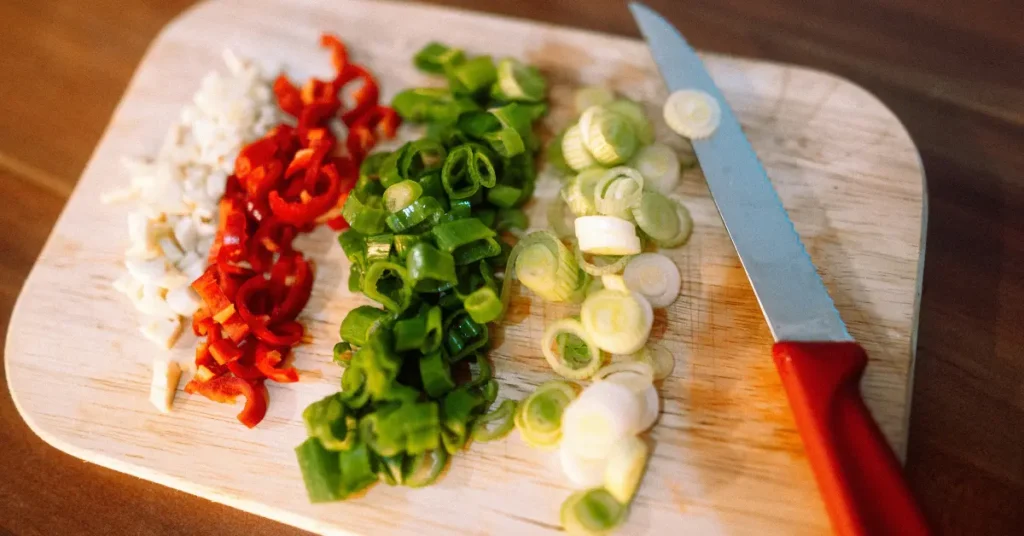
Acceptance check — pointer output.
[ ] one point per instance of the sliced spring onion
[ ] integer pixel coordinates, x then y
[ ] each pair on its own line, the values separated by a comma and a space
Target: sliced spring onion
424, 468
496, 424
692, 113
578, 192
618, 191
378, 248
618, 323
456, 177
359, 322
559, 221
573, 369
539, 416
472, 75
554, 154
651, 408
598, 270
545, 266
434, 57
389, 284
589, 96
609, 137
463, 336
519, 82
326, 420
423, 209
483, 305
685, 228
320, 472
436, 375
657, 216
453, 235
625, 468
636, 375
659, 165
427, 262
662, 360
574, 151
606, 235
655, 276
604, 413
591, 513
401, 195
637, 117
583, 473
364, 218
614, 282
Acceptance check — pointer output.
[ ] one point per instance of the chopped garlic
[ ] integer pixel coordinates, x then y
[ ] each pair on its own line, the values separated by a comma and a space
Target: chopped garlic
183, 300
163, 330
173, 224
163, 386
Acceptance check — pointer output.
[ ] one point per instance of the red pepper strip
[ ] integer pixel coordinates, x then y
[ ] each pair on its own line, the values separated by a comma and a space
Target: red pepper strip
224, 351
267, 360
339, 53
283, 334
366, 97
244, 367
211, 293
288, 333
231, 230
305, 211
201, 320
233, 187
317, 113
255, 155
279, 273
298, 293
226, 388
236, 328
360, 141
337, 223
318, 135
288, 97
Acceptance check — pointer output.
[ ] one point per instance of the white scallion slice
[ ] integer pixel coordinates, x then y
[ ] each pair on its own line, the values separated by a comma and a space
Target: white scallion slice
607, 235
520, 82
685, 228
651, 408
692, 113
614, 282
593, 512
636, 115
571, 366
662, 360
578, 192
559, 220
545, 266
618, 192
540, 417
611, 265
636, 375
582, 472
625, 468
657, 216
589, 96
655, 276
574, 152
608, 136
604, 413
659, 165
618, 323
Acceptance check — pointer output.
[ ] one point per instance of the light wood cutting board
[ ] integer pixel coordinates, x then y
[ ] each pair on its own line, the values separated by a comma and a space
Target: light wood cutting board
727, 457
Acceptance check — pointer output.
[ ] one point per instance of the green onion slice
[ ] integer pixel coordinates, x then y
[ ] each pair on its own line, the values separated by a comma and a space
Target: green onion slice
545, 266
389, 284
592, 512
609, 137
496, 424
360, 322
483, 305
539, 416
362, 217
436, 375
574, 151
424, 468
435, 57
519, 82
637, 117
685, 228
578, 193
657, 216
401, 195
424, 262
613, 265
618, 191
424, 209
570, 365
659, 165
589, 96
617, 322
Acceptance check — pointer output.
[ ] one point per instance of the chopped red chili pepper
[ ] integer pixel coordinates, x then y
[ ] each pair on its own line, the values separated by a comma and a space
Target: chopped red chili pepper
226, 388
287, 182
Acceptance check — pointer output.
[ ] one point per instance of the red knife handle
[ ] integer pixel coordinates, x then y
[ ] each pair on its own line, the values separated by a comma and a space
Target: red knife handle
858, 475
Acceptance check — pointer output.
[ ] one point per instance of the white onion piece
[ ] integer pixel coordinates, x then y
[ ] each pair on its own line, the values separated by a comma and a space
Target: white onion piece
164, 384
582, 472
604, 413
607, 235
655, 276
147, 271
183, 300
692, 113
162, 331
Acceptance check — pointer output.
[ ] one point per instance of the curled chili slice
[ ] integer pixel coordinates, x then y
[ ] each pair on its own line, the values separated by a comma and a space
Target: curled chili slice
339, 53
226, 388
245, 366
311, 205
267, 360
288, 98
286, 333
209, 290
366, 97
225, 351
298, 292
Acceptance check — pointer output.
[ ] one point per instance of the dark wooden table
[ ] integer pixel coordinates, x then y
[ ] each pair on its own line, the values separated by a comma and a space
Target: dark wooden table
953, 73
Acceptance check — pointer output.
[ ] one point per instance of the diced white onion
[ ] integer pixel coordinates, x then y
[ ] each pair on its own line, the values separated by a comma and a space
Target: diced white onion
164, 384
655, 276
162, 331
147, 271
183, 300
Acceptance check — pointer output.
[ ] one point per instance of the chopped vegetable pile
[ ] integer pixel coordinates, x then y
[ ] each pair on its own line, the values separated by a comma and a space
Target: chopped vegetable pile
283, 184
426, 244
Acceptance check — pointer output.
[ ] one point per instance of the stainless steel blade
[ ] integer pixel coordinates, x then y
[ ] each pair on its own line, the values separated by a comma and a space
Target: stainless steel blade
792, 296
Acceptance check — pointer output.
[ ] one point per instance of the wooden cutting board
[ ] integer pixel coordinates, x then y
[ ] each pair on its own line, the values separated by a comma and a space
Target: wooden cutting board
727, 458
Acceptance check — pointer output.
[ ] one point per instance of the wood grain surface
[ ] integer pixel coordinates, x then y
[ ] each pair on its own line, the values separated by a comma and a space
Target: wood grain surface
67, 66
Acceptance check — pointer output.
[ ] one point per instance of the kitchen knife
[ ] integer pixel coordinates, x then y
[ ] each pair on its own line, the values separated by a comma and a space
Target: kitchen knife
820, 364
